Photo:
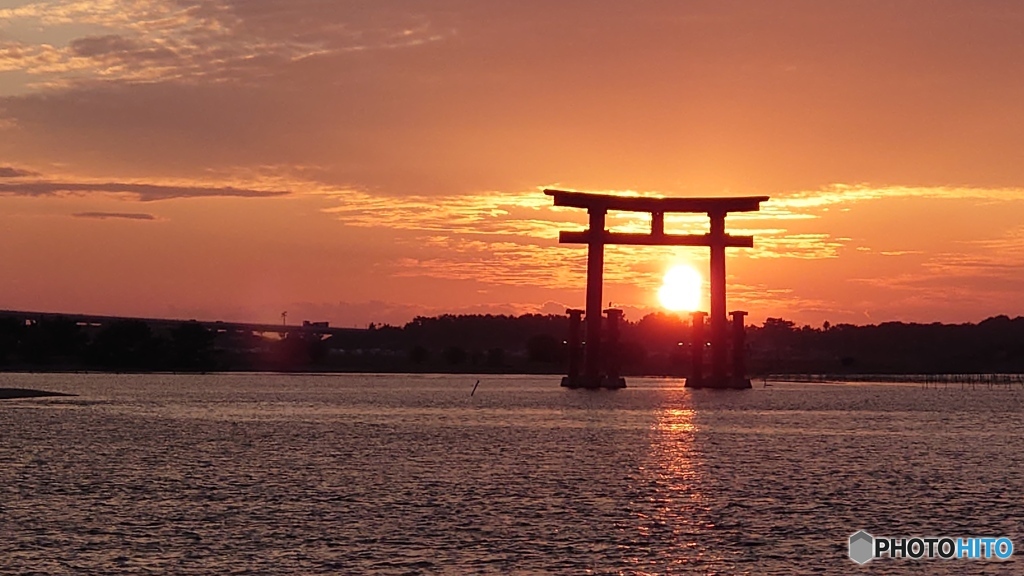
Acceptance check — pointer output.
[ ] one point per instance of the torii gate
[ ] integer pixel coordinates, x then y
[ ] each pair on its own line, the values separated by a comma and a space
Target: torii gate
596, 237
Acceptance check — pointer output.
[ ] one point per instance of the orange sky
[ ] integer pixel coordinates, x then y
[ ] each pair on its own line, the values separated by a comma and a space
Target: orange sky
370, 161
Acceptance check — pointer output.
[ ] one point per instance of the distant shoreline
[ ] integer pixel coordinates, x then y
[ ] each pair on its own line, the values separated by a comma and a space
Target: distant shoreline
924, 378
655, 345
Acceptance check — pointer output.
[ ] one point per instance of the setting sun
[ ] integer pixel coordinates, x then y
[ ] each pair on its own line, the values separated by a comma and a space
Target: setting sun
681, 289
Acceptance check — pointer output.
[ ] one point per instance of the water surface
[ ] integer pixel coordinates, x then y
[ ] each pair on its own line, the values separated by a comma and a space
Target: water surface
392, 474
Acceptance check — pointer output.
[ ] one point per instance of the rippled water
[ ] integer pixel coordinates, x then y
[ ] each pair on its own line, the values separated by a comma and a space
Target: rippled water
308, 474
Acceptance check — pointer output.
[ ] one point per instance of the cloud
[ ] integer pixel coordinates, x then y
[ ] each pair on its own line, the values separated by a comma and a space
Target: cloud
791, 245
190, 40
844, 194
512, 214
977, 278
453, 97
511, 238
766, 297
1000, 258
9, 172
529, 216
142, 192
114, 215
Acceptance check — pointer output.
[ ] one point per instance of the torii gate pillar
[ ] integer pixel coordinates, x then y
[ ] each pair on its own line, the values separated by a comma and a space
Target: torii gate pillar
719, 336
595, 284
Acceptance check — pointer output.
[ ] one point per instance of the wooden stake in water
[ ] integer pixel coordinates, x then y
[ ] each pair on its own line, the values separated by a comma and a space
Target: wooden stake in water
474, 388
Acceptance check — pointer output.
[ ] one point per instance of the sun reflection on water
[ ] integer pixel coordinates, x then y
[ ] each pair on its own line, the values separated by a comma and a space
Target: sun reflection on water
675, 452
676, 510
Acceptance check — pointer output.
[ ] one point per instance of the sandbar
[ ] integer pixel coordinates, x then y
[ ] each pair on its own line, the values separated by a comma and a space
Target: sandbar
11, 393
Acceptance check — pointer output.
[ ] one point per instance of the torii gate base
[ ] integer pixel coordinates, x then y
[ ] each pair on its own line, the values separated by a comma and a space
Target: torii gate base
737, 378
611, 379
600, 366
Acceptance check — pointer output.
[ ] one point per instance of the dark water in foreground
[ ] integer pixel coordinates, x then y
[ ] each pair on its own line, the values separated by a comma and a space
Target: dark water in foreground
287, 474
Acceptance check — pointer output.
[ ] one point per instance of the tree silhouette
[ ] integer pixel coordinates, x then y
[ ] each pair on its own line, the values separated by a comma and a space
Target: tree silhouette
192, 347
657, 344
126, 345
11, 333
454, 355
54, 339
543, 348
496, 357
418, 354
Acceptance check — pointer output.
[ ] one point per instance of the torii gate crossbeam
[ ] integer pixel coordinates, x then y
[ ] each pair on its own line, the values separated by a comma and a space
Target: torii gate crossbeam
596, 237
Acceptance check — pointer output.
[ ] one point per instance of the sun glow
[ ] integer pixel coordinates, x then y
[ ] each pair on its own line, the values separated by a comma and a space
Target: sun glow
681, 289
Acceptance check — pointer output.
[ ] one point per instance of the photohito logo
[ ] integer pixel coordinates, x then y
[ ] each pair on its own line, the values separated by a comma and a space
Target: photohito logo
864, 547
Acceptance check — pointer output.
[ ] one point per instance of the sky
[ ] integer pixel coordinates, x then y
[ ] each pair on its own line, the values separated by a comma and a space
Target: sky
358, 161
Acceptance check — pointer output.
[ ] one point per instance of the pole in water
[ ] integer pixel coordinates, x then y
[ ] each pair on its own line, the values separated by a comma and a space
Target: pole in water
474, 388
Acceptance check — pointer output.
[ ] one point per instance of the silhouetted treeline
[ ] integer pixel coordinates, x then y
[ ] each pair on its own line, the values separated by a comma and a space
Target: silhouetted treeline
995, 345
128, 345
657, 344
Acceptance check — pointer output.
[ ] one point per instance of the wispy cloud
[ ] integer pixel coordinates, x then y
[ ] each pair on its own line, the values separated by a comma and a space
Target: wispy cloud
10, 172
186, 40
530, 215
141, 191
803, 203
994, 258
784, 244
523, 214
511, 239
114, 215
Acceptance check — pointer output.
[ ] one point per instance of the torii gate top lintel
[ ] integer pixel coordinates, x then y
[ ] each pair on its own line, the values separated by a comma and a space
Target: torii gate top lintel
598, 206
655, 205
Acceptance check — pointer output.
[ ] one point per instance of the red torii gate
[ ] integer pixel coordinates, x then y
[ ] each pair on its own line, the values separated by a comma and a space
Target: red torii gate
596, 237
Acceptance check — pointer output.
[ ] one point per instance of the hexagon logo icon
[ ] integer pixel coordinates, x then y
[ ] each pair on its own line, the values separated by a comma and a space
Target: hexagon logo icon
862, 547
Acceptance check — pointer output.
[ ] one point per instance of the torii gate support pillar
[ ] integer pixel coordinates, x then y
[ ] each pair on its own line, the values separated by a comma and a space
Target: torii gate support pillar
719, 334
595, 280
696, 377
575, 346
